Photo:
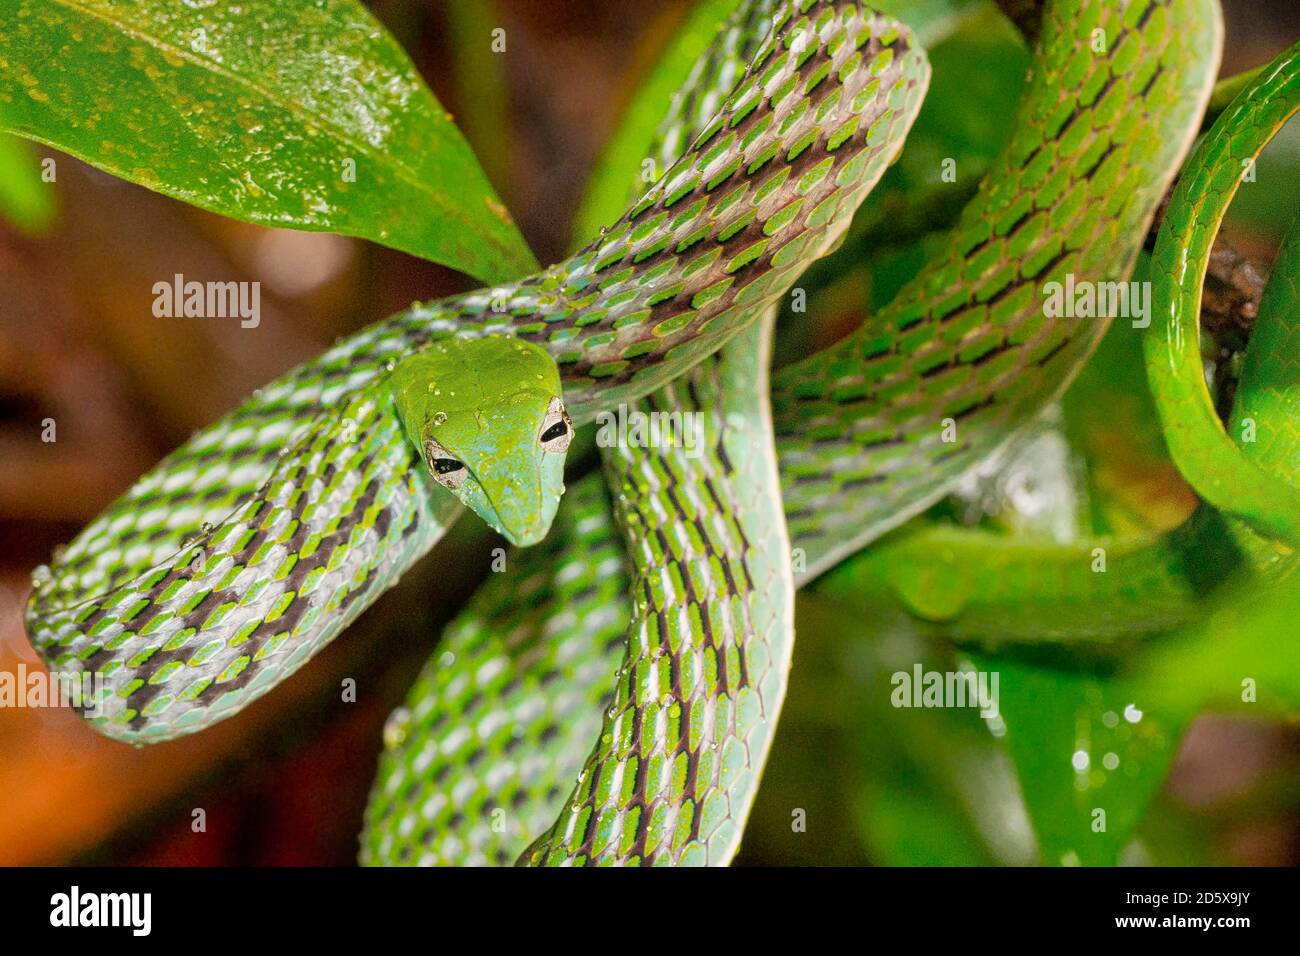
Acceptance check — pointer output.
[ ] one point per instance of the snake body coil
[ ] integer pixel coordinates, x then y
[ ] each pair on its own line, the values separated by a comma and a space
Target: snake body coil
230, 564
858, 432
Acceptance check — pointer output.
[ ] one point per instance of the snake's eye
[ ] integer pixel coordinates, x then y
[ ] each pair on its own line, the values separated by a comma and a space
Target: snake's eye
557, 429
449, 472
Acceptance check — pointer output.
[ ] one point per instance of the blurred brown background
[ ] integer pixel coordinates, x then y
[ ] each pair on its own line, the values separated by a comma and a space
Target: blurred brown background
285, 782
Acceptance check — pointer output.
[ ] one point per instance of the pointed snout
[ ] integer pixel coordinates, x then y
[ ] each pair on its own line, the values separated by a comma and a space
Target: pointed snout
525, 536
522, 492
523, 519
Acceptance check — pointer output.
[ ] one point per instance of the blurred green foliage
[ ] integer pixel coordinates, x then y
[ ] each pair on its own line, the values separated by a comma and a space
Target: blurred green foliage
26, 202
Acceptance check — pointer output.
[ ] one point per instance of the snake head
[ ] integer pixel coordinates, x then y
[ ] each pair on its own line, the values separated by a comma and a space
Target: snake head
489, 421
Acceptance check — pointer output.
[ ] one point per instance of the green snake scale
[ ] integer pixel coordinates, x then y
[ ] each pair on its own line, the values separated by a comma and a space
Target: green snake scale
247, 549
700, 687
1213, 462
860, 425
411, 821
983, 586
191, 613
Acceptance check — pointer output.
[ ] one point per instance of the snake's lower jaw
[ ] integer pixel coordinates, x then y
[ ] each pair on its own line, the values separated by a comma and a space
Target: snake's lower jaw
525, 538
525, 529
520, 523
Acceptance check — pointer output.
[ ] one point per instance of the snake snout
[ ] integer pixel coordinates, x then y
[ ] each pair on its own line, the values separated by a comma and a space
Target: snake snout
521, 517
529, 535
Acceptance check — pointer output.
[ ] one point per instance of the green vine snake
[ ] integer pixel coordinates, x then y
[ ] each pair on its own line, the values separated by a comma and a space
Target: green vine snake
611, 698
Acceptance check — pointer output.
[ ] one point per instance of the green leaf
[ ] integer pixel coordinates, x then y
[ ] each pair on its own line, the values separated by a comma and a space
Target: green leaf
302, 114
1085, 737
926, 786
25, 201
1241, 656
1091, 748
482, 90
932, 21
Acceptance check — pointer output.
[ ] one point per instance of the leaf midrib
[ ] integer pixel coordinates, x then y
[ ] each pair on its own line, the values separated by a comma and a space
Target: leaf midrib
331, 130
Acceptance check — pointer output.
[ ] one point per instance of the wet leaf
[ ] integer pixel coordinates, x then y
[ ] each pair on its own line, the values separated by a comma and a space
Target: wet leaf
925, 786
1091, 747
304, 114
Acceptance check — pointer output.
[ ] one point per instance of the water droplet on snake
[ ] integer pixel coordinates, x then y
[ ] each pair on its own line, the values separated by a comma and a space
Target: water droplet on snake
396, 727
41, 576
